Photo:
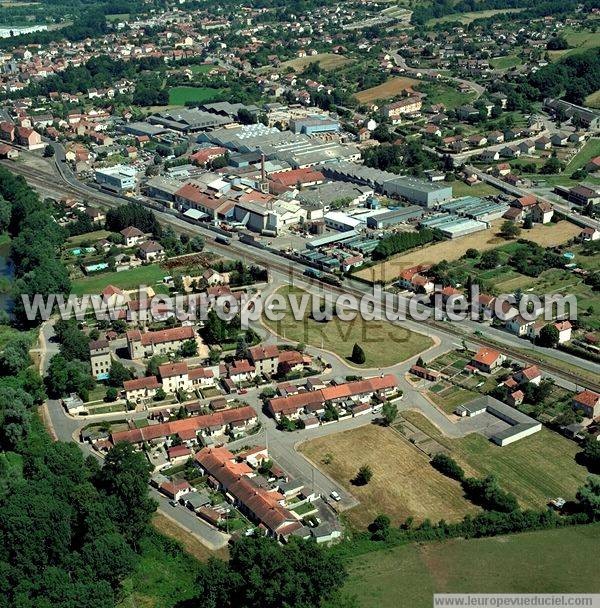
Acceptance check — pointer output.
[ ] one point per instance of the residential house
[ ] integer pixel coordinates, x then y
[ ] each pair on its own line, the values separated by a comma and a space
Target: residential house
132, 236
265, 359
487, 359
588, 402
151, 251
542, 212
564, 331
162, 342
100, 359
140, 389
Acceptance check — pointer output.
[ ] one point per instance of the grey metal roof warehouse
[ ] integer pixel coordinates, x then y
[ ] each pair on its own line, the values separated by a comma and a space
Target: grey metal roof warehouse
415, 190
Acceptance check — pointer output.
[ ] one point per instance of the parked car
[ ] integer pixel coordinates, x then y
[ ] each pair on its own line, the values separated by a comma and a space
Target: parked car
335, 496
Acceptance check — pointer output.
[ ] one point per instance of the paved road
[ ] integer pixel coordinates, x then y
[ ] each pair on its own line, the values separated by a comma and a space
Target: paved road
401, 63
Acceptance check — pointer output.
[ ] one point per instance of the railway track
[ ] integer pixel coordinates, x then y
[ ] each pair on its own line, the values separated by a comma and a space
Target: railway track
291, 269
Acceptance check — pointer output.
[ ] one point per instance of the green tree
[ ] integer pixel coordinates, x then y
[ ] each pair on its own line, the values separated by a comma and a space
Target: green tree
118, 374
509, 230
364, 475
124, 479
358, 354
389, 413
380, 528
549, 336
189, 348
589, 497
448, 466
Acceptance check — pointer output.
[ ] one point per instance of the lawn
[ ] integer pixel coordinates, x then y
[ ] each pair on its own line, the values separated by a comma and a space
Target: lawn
407, 576
535, 469
545, 235
505, 63
386, 90
448, 399
88, 237
128, 279
178, 96
326, 61
340, 336
403, 484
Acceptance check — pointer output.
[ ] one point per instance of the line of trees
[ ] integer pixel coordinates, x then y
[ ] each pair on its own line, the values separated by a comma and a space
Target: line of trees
35, 245
402, 241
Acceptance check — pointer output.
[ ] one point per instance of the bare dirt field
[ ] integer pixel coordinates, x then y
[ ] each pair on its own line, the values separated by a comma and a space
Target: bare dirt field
326, 61
403, 484
545, 235
386, 90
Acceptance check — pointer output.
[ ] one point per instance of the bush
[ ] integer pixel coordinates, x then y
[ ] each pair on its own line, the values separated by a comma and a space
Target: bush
448, 466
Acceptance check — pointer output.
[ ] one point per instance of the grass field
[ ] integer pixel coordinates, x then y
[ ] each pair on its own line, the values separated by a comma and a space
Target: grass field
505, 63
203, 68
386, 90
579, 41
326, 61
448, 95
466, 18
407, 576
178, 96
128, 279
459, 188
593, 100
545, 235
590, 150
403, 484
340, 336
535, 469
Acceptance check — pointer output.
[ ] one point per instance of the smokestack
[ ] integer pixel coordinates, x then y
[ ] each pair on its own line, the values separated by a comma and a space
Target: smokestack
262, 167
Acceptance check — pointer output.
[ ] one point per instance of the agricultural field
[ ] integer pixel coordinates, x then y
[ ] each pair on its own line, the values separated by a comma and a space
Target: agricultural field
545, 235
404, 483
178, 96
151, 276
535, 469
326, 61
340, 336
408, 575
386, 90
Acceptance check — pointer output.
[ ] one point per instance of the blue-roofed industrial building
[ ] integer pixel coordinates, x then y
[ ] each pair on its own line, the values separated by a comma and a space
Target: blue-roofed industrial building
313, 125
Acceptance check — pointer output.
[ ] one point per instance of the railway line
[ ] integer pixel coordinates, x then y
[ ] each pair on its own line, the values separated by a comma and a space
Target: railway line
291, 269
